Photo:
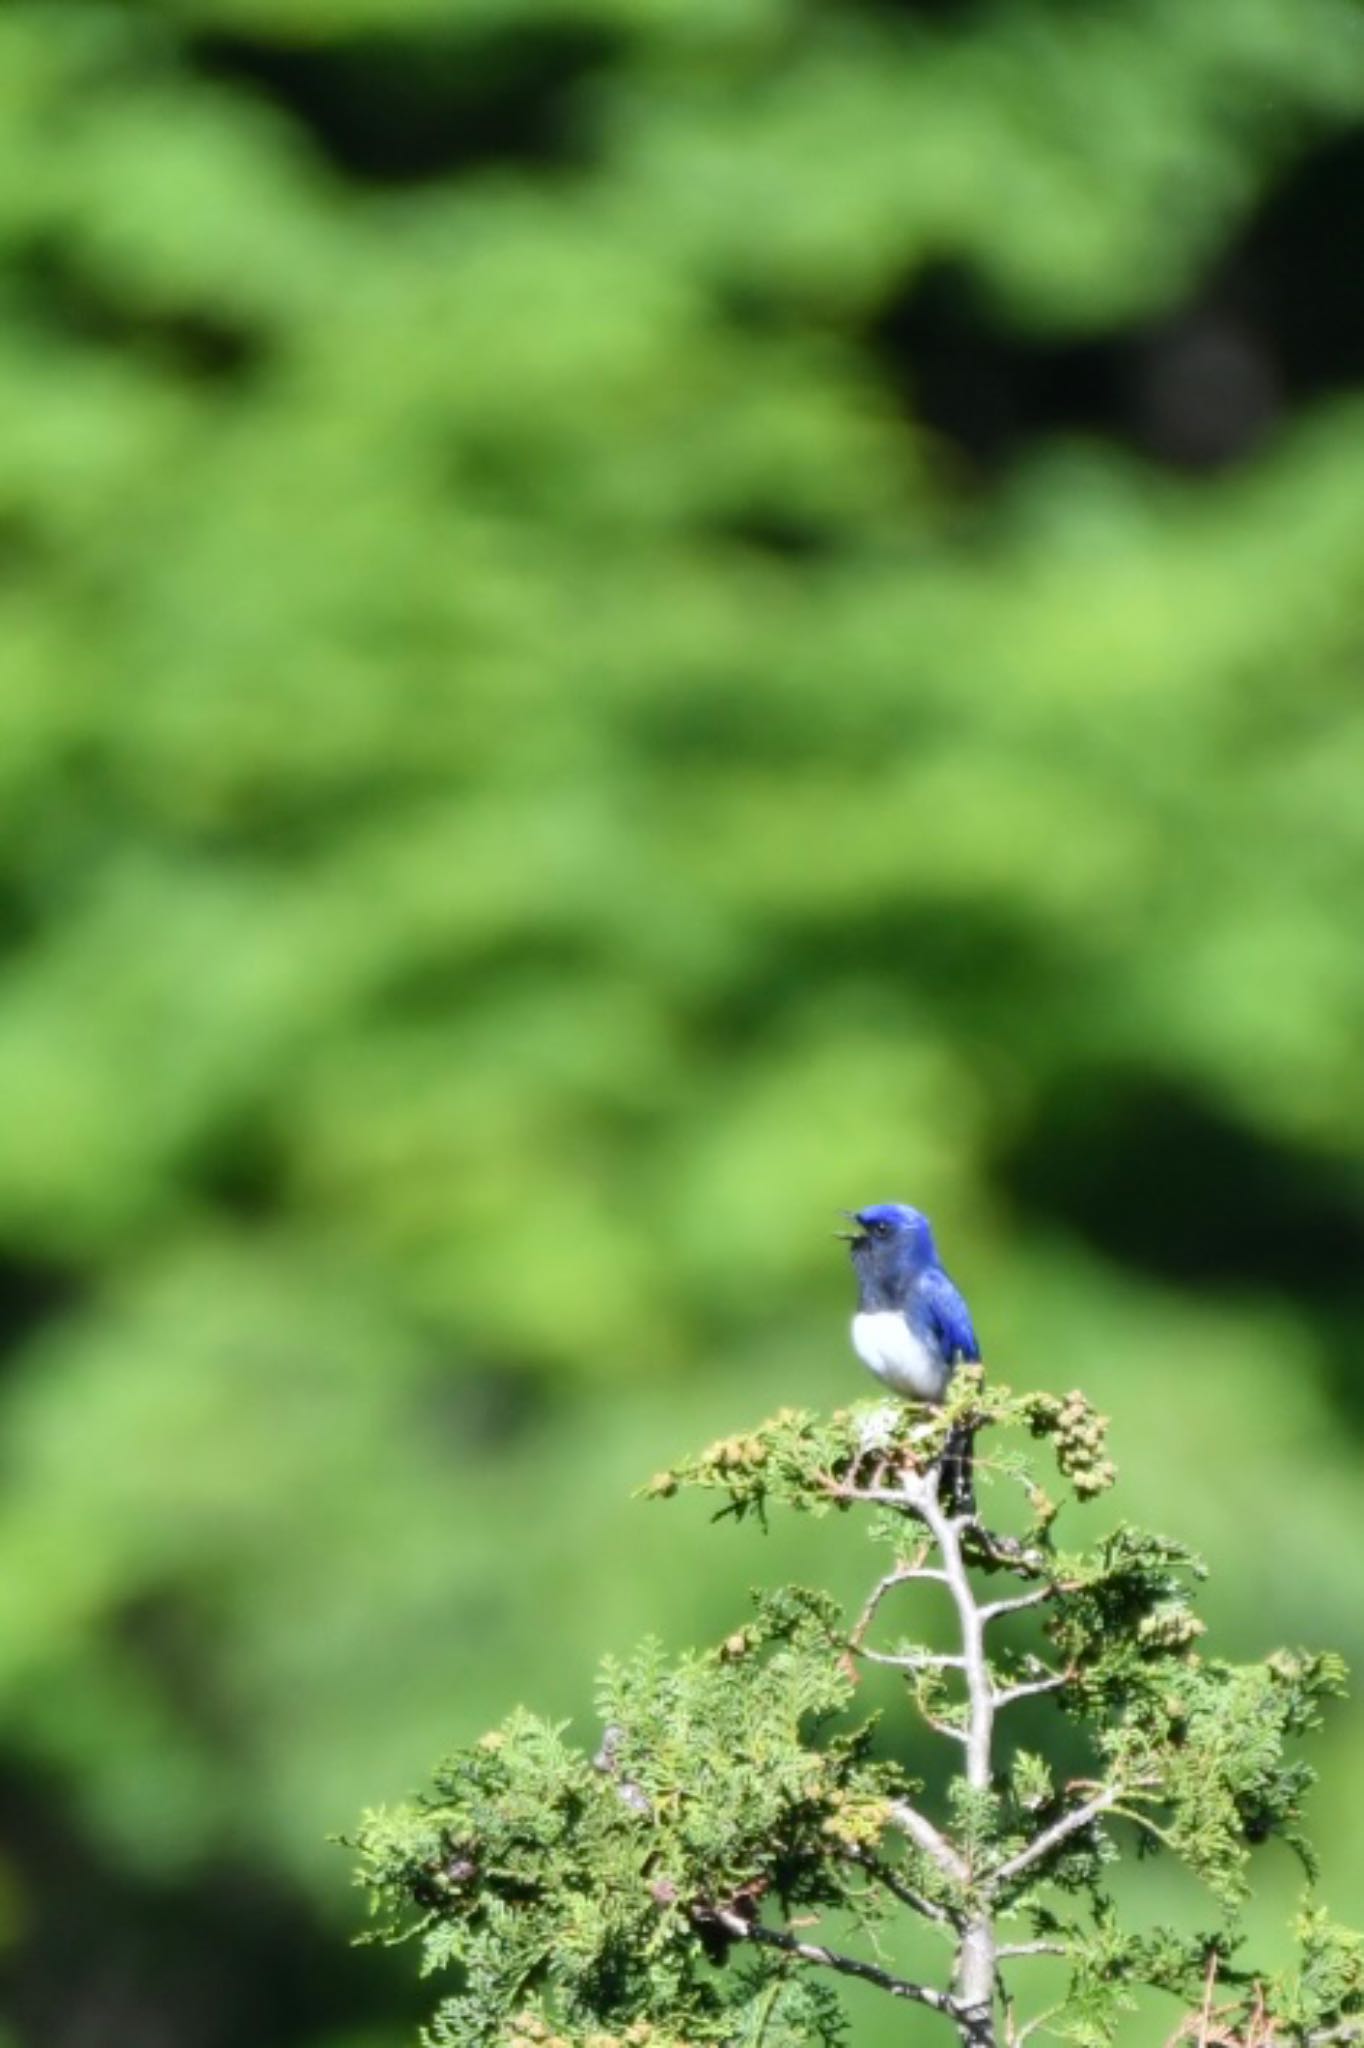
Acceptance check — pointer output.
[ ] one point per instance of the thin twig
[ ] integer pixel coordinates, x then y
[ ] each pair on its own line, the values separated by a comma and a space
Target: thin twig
1143, 1820
1051, 1838
914, 1660
925, 1836
902, 1575
1030, 1687
1025, 1600
945, 1728
1007, 1550
1032, 2026
875, 1496
830, 1959
873, 1601
1031, 1948
928, 1908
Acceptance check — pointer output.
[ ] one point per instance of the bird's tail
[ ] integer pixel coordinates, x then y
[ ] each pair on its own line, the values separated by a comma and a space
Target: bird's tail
958, 1463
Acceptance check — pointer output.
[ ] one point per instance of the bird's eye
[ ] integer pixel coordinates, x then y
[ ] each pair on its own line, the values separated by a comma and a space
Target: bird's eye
880, 1230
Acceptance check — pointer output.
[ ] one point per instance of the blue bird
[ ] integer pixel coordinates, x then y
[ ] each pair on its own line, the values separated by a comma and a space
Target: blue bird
912, 1325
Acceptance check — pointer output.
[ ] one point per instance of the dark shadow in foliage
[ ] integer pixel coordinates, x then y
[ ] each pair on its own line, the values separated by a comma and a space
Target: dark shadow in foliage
1154, 1176
778, 531
1300, 267
34, 1292
227, 1959
403, 110
473, 1409
166, 1637
1277, 321
1194, 392
23, 551
241, 1167
921, 954
60, 293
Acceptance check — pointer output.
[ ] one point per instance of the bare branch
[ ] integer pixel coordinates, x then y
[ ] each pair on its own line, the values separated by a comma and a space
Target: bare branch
975, 1979
876, 1496
928, 1909
945, 1728
1051, 1838
921, 1831
914, 1660
902, 1575
1007, 1550
873, 1601
973, 1662
1036, 1598
1029, 1688
918, 1494
1144, 1820
830, 1959
1033, 2026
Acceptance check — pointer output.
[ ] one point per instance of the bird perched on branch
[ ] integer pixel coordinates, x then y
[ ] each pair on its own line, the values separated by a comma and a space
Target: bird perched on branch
912, 1325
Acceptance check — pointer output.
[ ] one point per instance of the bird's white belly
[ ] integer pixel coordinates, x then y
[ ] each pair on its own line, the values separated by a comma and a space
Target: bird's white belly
884, 1341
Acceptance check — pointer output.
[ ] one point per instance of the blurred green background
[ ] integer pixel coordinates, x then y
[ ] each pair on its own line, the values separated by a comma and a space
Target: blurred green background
623, 621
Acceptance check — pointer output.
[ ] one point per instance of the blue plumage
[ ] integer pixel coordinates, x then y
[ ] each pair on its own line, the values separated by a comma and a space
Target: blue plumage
937, 1299
912, 1326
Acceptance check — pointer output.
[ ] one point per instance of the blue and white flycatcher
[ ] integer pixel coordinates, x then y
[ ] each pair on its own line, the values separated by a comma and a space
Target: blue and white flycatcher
912, 1326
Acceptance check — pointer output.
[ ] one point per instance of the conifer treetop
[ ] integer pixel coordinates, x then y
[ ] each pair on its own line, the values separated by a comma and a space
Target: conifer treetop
739, 1840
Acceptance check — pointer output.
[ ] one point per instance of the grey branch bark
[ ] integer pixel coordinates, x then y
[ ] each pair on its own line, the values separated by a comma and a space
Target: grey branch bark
831, 1959
921, 1831
1051, 1838
974, 1983
913, 1660
1019, 1605
929, 1909
1028, 1688
976, 1990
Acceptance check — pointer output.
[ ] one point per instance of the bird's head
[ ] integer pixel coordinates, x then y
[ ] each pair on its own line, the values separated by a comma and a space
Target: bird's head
890, 1238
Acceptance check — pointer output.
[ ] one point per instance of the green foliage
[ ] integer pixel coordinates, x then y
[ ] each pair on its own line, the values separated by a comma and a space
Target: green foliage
814, 1463
588, 1892
1330, 1979
731, 1805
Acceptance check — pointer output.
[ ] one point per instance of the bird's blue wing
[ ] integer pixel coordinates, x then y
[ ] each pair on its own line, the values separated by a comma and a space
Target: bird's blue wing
949, 1316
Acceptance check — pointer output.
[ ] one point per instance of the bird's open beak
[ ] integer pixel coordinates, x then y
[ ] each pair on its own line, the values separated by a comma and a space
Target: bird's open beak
850, 1236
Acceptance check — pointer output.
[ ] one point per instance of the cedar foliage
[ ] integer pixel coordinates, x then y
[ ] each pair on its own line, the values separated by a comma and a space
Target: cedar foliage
741, 1840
